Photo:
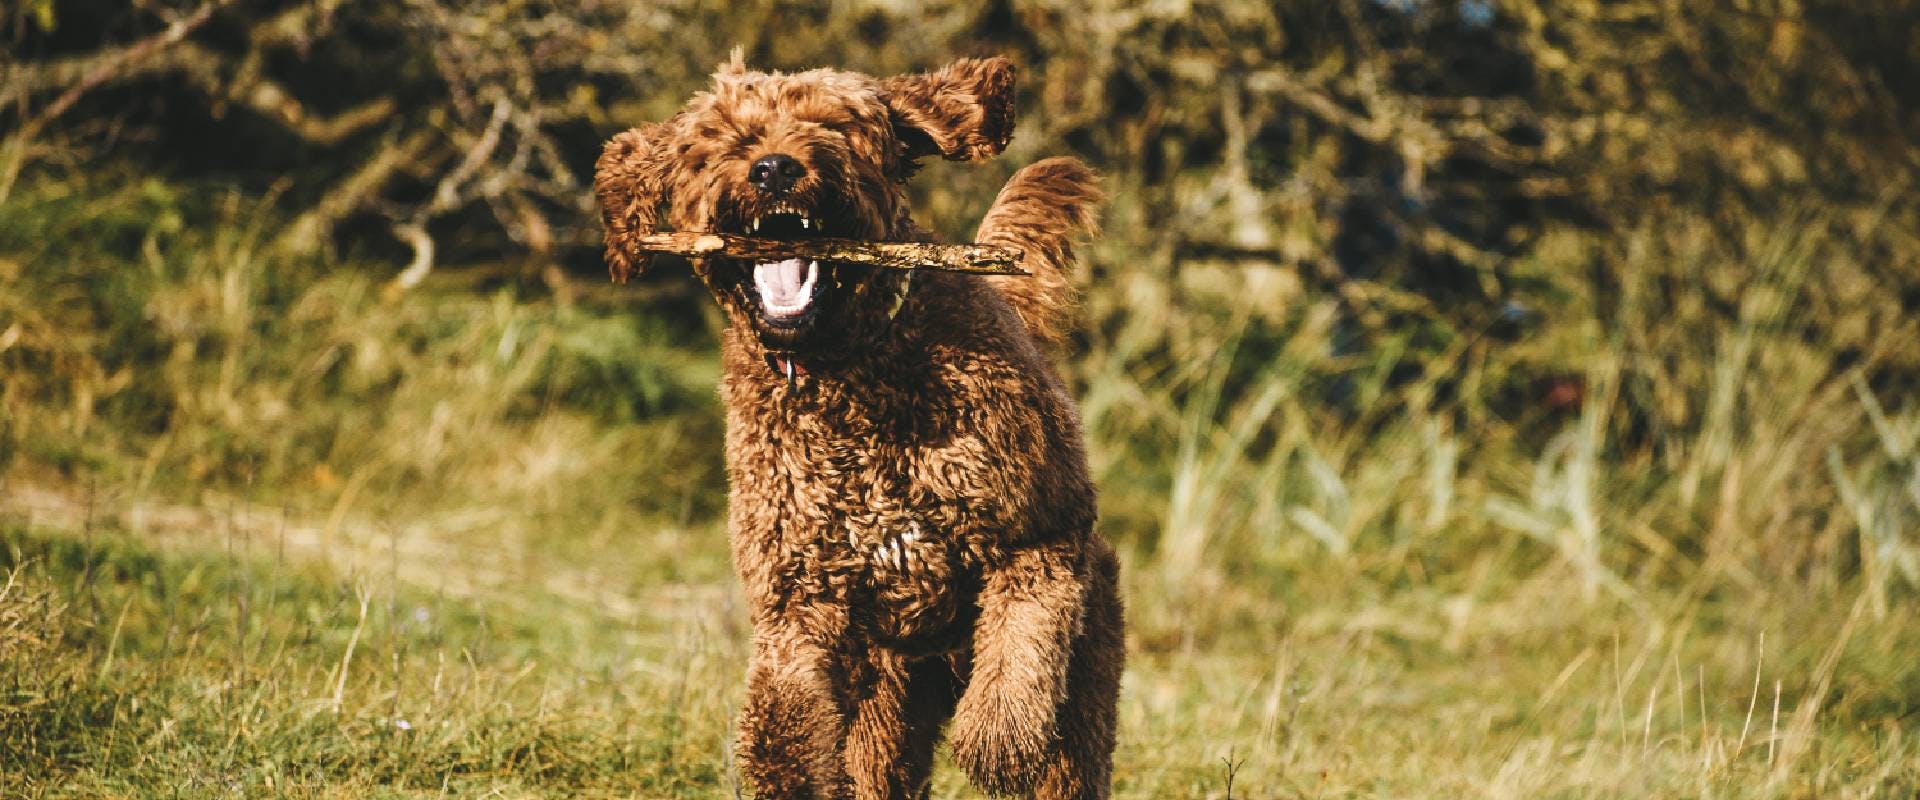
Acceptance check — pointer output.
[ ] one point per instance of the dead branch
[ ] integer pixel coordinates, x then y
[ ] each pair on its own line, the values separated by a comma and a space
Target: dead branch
104, 70
447, 195
416, 237
979, 259
310, 229
207, 72
96, 73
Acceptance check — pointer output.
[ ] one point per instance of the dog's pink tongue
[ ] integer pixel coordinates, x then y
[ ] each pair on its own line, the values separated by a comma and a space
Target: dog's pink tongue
786, 287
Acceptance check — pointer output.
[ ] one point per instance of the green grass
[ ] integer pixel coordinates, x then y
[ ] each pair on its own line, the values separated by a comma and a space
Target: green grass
171, 663
151, 671
256, 511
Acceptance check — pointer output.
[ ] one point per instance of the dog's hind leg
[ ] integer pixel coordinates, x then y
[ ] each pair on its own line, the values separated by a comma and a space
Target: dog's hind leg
1079, 764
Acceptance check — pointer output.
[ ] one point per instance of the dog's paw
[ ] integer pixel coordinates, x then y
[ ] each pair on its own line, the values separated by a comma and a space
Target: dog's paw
999, 741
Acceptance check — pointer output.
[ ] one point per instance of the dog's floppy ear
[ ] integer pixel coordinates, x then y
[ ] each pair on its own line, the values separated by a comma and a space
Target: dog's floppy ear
630, 180
961, 111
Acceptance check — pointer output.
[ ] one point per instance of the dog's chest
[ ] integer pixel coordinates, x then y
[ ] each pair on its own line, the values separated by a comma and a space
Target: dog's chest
882, 501
908, 582
900, 548
861, 524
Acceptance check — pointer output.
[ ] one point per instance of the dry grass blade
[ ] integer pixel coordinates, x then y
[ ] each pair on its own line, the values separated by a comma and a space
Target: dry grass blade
980, 259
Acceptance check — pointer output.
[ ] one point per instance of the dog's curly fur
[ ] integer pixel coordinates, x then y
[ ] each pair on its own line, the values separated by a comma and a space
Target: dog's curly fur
911, 512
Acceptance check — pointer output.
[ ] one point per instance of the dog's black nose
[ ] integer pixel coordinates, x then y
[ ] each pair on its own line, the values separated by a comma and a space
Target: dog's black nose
776, 173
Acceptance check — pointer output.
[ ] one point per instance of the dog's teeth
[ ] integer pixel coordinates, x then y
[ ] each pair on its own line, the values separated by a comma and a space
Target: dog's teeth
804, 223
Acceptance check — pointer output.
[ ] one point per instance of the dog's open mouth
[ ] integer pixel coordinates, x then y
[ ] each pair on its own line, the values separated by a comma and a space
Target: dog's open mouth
788, 291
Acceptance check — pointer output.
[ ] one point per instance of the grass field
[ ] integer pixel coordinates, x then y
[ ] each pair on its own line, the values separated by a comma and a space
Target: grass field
271, 531
226, 651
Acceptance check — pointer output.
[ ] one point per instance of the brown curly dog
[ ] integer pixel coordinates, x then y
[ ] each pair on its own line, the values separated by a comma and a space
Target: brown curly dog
911, 513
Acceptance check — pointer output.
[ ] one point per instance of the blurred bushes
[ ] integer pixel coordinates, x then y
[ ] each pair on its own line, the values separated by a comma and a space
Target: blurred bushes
153, 320
1374, 269
1426, 146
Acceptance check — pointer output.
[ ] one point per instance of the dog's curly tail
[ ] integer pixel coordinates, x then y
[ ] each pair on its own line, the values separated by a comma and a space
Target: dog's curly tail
1041, 210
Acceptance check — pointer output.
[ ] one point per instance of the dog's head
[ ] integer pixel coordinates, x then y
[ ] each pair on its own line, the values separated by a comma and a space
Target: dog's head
818, 153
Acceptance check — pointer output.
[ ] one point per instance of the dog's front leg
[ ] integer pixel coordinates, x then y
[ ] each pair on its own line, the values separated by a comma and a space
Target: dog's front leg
793, 724
1031, 609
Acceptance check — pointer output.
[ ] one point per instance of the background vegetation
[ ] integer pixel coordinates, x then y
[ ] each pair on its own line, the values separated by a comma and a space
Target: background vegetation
1494, 398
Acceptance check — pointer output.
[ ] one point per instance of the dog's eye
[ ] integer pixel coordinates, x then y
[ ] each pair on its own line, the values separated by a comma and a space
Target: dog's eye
840, 125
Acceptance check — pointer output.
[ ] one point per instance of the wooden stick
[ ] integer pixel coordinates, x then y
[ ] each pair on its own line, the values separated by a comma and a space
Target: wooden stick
979, 259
